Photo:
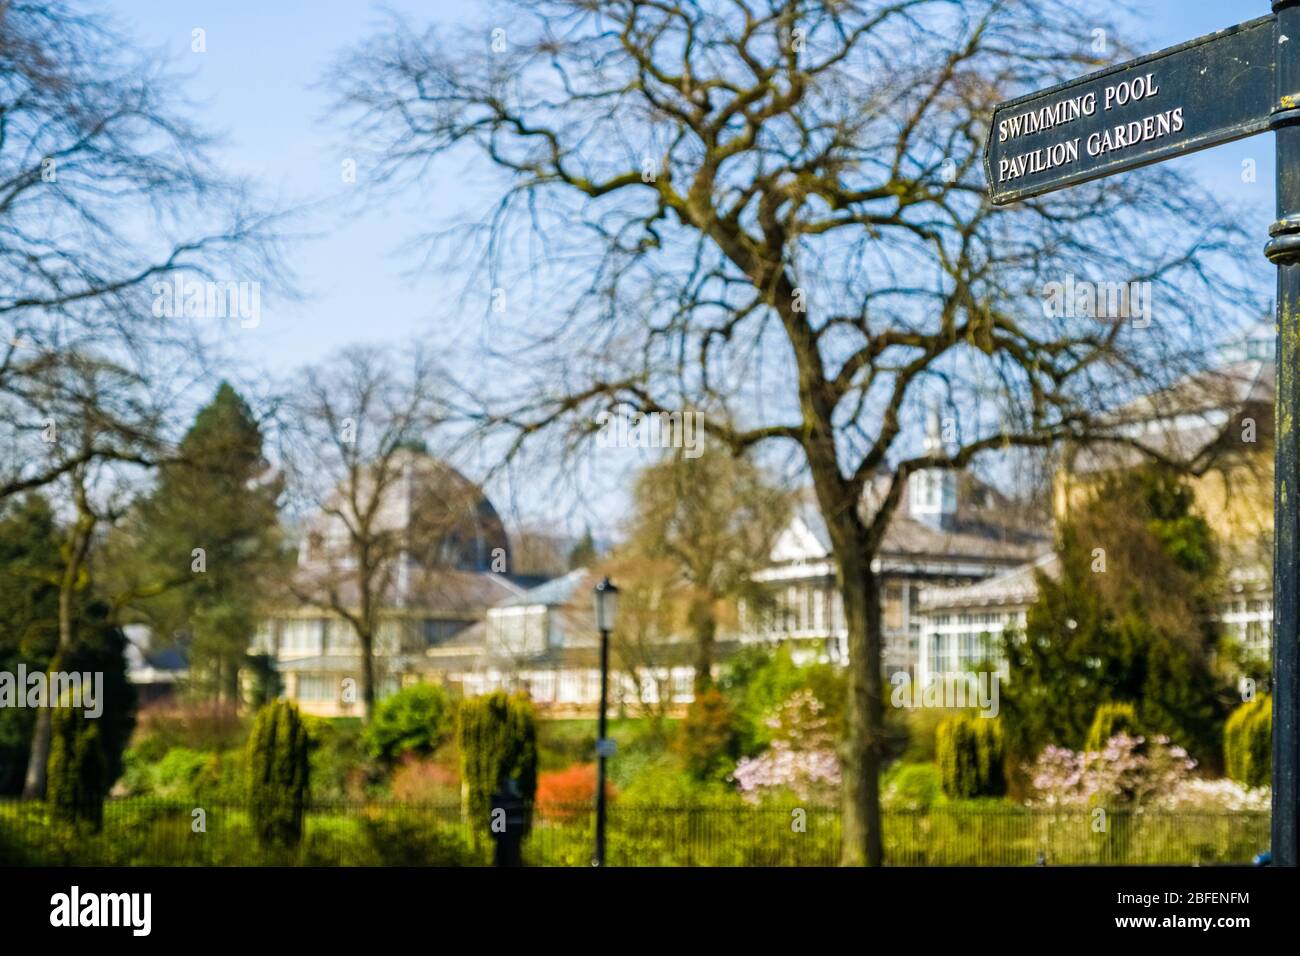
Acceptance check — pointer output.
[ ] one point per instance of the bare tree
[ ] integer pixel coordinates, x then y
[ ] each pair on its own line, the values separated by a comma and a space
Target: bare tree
88, 404
714, 519
776, 207
102, 180
355, 429
645, 644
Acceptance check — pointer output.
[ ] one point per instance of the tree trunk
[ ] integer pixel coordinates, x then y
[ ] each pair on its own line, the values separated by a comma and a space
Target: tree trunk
74, 553
367, 676
860, 751
230, 675
38, 760
705, 628
861, 757
34, 782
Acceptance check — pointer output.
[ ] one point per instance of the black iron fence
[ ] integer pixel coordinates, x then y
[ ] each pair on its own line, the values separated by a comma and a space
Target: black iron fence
193, 833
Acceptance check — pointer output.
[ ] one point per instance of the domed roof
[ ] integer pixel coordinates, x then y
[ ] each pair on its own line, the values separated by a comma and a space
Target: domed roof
444, 519
450, 521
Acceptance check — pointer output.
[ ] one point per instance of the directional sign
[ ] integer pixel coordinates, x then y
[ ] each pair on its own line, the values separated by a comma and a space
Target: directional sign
1218, 88
1205, 92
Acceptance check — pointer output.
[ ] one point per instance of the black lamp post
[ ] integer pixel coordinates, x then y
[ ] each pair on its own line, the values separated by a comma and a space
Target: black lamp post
606, 607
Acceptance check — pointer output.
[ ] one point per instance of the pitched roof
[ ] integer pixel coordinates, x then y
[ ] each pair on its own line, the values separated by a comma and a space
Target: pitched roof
1188, 422
348, 663
973, 534
907, 537
443, 518
551, 593
437, 591
1017, 587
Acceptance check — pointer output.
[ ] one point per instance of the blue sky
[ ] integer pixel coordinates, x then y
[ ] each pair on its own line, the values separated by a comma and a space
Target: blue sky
259, 85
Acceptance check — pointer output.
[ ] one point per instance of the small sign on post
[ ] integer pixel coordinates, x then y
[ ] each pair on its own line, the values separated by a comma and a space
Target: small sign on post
509, 821
1208, 91
1211, 90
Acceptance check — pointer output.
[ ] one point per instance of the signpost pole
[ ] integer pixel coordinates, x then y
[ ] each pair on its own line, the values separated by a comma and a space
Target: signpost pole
1214, 89
1283, 250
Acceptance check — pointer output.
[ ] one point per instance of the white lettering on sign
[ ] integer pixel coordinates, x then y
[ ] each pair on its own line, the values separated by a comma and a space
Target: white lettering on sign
1130, 91
1120, 136
1045, 117
1136, 132
1038, 160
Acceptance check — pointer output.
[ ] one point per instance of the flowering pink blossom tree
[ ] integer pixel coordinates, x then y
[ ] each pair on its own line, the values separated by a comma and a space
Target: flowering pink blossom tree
1131, 772
1216, 795
801, 759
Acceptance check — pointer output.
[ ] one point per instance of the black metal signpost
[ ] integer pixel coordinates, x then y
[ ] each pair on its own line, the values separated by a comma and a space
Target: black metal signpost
1211, 90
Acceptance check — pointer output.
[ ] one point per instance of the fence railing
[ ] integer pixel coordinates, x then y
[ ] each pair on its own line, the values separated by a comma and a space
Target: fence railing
187, 833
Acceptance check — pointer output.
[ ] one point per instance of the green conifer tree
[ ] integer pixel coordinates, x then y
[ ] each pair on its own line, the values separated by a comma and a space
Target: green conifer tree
498, 746
1112, 718
205, 548
278, 774
1129, 617
75, 785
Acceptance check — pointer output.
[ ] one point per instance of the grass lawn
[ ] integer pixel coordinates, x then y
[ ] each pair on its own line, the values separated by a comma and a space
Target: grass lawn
566, 741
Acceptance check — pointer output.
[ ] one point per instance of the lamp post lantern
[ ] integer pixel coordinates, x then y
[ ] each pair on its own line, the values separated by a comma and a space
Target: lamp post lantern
605, 603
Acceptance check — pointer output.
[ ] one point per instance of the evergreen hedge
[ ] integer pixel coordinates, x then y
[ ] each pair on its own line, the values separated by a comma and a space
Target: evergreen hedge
498, 742
1248, 743
971, 752
75, 784
278, 774
1110, 719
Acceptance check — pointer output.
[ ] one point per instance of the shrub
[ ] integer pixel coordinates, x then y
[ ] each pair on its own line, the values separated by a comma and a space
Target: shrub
137, 774
75, 782
1110, 719
801, 760
204, 725
423, 781
149, 749
398, 841
179, 772
154, 769
416, 720
498, 743
278, 774
707, 739
562, 743
757, 680
1248, 743
341, 768
918, 726
1128, 772
913, 786
224, 778
568, 794
1216, 796
971, 753
663, 782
